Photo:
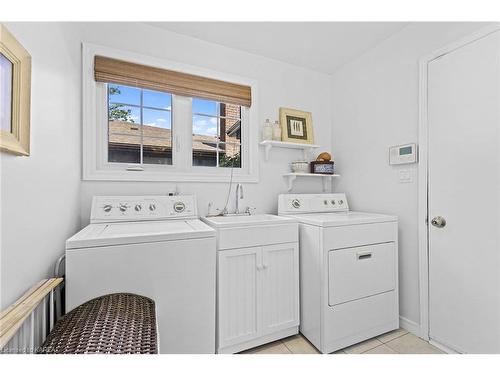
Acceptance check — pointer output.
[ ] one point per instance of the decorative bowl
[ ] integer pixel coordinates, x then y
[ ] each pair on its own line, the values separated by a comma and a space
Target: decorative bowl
300, 166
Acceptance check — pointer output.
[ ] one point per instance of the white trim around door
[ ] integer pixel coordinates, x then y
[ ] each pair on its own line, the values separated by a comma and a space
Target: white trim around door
423, 205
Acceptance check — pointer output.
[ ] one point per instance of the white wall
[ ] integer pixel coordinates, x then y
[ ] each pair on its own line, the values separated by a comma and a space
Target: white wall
279, 85
375, 105
43, 198
40, 193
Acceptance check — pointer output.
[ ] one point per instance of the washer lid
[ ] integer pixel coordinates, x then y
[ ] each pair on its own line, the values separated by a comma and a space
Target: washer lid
336, 219
108, 234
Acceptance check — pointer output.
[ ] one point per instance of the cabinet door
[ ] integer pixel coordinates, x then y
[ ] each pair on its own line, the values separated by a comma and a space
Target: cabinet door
280, 287
239, 291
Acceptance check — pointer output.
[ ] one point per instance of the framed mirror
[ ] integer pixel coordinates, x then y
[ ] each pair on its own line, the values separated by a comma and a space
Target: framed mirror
15, 93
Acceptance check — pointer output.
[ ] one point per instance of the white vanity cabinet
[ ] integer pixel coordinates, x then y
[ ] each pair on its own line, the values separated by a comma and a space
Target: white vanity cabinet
280, 287
239, 290
257, 284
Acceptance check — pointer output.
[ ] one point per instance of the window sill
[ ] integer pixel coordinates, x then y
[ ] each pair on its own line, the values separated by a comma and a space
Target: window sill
167, 176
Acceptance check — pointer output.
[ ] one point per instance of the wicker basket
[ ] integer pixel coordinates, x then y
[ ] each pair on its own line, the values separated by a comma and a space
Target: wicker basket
120, 323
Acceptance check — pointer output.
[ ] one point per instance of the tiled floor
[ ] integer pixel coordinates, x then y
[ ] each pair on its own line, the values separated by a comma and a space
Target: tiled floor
395, 342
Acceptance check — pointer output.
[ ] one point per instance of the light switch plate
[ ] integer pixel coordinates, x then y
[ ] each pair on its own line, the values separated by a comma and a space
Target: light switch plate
405, 176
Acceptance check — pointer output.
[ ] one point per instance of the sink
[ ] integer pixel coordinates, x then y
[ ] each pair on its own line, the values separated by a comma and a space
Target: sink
245, 220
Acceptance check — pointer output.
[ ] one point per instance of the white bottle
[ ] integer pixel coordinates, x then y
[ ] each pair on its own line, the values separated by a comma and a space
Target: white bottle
276, 131
267, 131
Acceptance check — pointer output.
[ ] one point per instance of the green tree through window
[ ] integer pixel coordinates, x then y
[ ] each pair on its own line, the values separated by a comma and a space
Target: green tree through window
116, 111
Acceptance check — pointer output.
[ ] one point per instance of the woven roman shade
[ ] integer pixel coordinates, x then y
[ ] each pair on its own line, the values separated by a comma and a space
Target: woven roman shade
110, 70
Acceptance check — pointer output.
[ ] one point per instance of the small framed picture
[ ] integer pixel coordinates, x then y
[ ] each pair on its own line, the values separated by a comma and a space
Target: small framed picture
15, 92
296, 126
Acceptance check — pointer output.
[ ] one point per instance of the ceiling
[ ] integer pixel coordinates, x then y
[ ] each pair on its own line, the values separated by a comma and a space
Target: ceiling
321, 46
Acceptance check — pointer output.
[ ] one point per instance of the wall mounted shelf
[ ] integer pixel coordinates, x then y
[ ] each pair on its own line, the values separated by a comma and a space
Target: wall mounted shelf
291, 177
306, 148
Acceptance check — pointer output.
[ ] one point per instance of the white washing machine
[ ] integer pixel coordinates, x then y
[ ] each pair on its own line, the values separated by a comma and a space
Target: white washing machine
157, 247
348, 270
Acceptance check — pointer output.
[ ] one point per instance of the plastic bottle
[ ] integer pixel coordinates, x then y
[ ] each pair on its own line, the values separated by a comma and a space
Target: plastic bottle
267, 131
276, 131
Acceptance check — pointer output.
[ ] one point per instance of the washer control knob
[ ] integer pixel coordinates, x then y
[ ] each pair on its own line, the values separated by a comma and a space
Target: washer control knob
123, 207
333, 201
152, 207
138, 207
179, 207
107, 207
325, 202
341, 202
296, 203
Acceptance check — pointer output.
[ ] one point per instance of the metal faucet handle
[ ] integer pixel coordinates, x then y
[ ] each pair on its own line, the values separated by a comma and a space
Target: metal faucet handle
218, 211
250, 210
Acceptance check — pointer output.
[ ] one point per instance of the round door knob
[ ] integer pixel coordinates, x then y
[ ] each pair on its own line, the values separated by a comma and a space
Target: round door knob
107, 208
438, 222
296, 203
138, 207
152, 207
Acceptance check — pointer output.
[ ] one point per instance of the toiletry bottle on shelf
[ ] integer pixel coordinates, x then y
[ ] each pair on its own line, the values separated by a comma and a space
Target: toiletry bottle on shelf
267, 131
276, 131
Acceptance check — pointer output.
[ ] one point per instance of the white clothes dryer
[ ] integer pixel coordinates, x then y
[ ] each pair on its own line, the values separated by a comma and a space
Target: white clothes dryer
348, 270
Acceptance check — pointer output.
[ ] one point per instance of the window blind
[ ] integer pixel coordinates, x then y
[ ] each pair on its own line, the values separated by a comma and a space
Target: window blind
110, 70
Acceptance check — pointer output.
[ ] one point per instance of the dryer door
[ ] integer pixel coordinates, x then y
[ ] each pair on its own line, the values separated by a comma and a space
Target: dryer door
360, 272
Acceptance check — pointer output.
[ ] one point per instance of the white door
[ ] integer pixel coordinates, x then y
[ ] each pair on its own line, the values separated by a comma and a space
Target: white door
280, 287
464, 189
239, 290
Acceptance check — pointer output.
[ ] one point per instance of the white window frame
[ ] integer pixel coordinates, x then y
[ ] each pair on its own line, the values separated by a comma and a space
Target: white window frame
95, 128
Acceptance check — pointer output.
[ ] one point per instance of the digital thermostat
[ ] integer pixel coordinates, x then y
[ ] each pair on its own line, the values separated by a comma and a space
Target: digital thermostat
403, 154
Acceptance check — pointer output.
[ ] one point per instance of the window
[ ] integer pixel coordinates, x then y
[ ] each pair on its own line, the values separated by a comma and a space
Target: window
139, 126
216, 134
150, 120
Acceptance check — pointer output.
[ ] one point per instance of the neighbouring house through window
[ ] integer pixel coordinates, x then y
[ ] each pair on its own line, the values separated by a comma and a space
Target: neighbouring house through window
140, 129
216, 134
140, 125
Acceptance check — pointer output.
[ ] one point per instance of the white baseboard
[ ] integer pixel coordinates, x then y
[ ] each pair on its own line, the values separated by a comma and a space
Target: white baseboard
410, 326
443, 347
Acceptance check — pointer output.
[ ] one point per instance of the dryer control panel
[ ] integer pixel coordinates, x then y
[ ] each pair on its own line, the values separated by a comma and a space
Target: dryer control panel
139, 208
312, 203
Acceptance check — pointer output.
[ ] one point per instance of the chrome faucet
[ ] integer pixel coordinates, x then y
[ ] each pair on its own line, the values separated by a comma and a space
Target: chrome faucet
239, 195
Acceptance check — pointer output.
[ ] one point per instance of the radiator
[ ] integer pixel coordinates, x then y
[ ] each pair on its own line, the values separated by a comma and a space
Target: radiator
25, 324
